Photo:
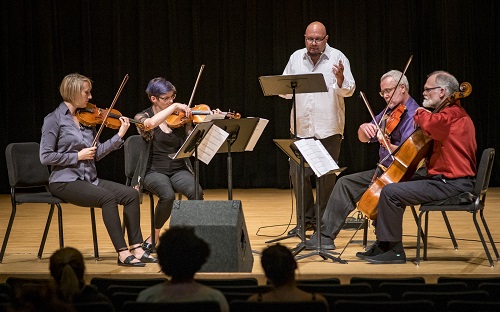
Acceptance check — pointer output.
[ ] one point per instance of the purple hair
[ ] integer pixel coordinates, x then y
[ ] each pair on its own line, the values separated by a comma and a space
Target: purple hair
159, 86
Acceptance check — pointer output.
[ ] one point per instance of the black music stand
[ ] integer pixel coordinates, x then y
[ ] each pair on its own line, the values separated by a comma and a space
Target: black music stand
190, 146
241, 135
293, 84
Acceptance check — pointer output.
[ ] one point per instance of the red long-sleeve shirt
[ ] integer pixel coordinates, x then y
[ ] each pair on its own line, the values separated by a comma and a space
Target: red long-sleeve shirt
454, 135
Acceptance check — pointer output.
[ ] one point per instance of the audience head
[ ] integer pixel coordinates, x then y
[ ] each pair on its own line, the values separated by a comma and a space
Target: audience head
279, 264
181, 253
67, 268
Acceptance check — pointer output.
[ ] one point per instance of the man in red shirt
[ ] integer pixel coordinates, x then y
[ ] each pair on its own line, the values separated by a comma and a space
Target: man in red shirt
451, 167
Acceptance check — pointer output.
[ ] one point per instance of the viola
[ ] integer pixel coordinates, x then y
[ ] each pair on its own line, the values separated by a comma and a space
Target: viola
198, 114
91, 115
407, 159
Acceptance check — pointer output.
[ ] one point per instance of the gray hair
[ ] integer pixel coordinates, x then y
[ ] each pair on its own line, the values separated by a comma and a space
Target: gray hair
446, 81
396, 74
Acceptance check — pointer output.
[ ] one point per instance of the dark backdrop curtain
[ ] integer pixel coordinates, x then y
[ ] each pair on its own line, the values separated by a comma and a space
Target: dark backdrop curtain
238, 41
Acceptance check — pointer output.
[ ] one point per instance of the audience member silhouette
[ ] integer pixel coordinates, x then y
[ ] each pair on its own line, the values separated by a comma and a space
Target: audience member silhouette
181, 254
279, 266
67, 269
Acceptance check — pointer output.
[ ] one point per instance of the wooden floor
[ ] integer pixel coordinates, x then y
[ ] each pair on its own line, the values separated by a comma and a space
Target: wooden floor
267, 213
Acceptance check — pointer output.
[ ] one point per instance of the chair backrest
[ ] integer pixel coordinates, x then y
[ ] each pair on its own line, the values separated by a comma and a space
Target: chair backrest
322, 281
193, 306
24, 166
472, 282
93, 307
243, 281
370, 297
384, 306
492, 288
484, 172
357, 288
468, 306
292, 306
132, 150
102, 283
375, 281
441, 299
396, 290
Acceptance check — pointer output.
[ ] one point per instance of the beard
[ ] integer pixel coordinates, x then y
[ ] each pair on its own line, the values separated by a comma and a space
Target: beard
428, 103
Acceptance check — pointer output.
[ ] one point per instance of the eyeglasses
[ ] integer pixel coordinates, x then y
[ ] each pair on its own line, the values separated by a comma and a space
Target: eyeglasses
430, 89
168, 98
386, 91
315, 40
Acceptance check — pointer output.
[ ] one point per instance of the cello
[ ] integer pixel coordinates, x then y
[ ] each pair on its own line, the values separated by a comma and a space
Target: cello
407, 159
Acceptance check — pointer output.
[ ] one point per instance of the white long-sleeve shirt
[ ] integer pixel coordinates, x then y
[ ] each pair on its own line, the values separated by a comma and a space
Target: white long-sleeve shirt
320, 114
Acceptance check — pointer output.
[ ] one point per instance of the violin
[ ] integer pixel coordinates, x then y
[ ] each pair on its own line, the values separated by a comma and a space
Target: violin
394, 118
91, 115
407, 159
198, 114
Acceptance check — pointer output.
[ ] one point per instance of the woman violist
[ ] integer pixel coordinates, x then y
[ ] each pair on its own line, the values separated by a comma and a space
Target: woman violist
67, 146
156, 171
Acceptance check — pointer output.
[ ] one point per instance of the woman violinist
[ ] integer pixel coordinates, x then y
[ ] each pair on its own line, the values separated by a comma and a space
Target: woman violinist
67, 146
350, 188
451, 166
156, 171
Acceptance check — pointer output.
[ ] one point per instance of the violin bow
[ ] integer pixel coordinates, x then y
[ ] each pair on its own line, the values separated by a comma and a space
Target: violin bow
196, 85
96, 139
375, 122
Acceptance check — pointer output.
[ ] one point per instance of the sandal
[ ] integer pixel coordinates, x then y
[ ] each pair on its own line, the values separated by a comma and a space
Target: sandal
147, 246
146, 256
128, 262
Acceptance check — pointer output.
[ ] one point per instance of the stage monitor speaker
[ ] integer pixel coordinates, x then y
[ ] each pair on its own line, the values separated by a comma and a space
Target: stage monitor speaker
222, 225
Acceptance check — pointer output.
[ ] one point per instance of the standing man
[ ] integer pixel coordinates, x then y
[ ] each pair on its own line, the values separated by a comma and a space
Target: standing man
320, 115
451, 167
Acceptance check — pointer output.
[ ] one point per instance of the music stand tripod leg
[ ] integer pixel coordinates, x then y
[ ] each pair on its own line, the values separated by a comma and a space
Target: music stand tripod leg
319, 250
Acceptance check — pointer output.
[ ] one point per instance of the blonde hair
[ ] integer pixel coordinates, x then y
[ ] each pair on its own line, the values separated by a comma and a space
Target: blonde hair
72, 85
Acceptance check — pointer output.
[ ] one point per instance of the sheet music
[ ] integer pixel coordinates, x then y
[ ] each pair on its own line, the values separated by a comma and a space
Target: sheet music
211, 144
317, 156
213, 116
259, 128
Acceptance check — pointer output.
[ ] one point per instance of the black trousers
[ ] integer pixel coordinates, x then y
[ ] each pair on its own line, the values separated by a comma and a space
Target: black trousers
395, 197
106, 195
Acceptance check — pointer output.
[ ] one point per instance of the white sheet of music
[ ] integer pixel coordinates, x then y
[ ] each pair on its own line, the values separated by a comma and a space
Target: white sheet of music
317, 156
211, 143
257, 132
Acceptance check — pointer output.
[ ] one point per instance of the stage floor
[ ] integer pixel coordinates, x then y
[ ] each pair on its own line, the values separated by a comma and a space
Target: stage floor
267, 213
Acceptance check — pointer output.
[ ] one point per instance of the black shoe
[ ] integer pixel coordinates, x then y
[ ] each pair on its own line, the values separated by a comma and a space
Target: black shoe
396, 255
374, 250
296, 230
128, 262
326, 242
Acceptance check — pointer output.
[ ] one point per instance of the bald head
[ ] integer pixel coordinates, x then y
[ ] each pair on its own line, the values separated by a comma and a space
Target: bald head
316, 27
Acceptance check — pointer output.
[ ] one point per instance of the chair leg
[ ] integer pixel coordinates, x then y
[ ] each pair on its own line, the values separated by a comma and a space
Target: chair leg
152, 213
426, 233
94, 233
7, 232
365, 233
47, 227
419, 235
481, 237
414, 212
486, 228
448, 226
